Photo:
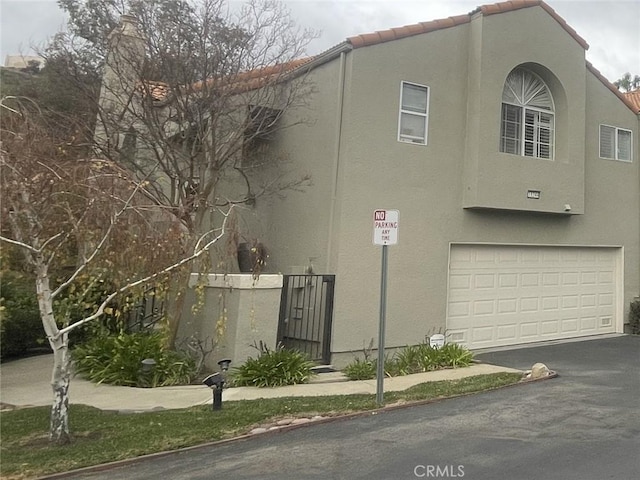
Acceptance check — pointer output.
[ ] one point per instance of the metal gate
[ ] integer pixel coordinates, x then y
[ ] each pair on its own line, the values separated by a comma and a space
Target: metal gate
306, 311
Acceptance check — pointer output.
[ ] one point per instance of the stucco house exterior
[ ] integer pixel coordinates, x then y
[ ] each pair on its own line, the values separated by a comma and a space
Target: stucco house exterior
513, 164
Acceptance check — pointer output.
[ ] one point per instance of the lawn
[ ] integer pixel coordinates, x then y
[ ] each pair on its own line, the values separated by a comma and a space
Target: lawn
100, 436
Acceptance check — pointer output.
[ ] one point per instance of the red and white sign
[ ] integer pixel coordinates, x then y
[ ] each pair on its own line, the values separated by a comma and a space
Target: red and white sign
385, 227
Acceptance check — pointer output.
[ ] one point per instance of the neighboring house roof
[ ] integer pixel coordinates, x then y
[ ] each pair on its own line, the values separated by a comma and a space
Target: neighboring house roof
633, 98
256, 78
22, 61
240, 83
425, 27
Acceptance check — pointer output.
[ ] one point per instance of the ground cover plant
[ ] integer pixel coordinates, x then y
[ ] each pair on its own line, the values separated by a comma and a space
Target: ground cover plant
104, 436
273, 368
411, 359
116, 360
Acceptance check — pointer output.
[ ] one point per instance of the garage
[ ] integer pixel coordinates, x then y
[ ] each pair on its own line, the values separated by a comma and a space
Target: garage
512, 294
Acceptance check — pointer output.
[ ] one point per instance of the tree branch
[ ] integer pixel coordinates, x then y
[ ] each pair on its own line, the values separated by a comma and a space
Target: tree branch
98, 247
197, 253
19, 244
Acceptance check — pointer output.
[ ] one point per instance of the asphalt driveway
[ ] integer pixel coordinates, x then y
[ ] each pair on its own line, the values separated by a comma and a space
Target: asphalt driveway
583, 425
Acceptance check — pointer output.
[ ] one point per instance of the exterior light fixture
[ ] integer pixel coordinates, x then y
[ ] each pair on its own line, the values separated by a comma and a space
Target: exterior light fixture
215, 381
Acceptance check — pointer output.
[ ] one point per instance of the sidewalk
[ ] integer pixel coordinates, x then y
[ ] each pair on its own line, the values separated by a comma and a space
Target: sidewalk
26, 382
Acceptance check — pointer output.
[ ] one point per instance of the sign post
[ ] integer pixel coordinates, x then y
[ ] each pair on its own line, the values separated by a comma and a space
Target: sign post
385, 233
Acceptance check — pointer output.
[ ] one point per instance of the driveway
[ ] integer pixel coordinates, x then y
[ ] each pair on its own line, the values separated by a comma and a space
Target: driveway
583, 425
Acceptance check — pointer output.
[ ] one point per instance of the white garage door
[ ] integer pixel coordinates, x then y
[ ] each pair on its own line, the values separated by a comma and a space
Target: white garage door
506, 295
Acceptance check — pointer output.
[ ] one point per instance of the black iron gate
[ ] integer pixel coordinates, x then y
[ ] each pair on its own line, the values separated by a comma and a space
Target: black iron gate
306, 310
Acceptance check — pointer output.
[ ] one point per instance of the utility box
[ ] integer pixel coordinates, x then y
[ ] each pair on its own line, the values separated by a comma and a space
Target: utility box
436, 341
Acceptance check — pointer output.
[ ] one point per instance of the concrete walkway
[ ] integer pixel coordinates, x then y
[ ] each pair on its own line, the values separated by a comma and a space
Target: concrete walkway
26, 382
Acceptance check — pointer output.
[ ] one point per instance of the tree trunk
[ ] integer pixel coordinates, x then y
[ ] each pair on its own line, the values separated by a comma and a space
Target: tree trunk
59, 425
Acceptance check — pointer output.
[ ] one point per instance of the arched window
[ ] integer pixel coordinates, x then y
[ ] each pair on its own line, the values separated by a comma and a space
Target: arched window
527, 126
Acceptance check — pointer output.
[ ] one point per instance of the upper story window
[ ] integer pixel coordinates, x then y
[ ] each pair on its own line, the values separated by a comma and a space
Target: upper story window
527, 124
615, 143
414, 113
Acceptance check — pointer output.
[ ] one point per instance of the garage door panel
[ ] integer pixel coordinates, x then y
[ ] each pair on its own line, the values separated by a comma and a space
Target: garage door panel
549, 327
551, 303
550, 279
502, 295
589, 324
507, 305
507, 332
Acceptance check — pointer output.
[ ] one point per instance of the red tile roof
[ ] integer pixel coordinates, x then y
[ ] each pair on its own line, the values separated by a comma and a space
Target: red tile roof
634, 99
254, 79
382, 36
239, 83
257, 78
631, 100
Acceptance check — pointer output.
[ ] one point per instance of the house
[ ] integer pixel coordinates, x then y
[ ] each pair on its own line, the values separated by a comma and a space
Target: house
513, 164
19, 62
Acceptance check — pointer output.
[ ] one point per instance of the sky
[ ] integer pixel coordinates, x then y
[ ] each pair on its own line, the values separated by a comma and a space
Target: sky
610, 27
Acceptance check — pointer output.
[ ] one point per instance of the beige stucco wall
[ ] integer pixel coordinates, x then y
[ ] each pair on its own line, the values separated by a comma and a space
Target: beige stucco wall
532, 38
357, 165
297, 224
243, 308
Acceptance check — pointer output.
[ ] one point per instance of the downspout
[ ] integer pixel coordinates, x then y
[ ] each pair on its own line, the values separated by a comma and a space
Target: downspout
336, 158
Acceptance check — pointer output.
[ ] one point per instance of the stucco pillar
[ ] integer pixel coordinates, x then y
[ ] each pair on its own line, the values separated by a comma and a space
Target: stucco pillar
247, 309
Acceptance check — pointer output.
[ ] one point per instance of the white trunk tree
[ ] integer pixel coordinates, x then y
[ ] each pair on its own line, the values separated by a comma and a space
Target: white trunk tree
192, 95
53, 204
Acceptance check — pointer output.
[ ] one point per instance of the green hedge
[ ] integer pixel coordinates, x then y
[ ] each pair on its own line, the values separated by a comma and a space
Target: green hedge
634, 317
116, 360
20, 324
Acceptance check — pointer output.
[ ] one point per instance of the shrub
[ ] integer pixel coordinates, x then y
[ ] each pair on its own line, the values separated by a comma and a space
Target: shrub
116, 360
411, 359
430, 358
360, 370
273, 368
634, 317
20, 320
454, 355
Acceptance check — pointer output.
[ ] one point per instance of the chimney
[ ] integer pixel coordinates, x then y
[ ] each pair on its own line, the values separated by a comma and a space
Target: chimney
122, 73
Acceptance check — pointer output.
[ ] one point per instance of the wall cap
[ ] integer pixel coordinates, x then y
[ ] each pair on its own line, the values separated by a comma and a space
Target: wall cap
240, 281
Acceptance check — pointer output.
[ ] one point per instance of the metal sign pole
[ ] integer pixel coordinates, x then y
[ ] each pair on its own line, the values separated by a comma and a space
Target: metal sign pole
381, 329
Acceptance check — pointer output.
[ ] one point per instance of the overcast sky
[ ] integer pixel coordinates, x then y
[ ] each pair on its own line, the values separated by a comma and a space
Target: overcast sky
610, 27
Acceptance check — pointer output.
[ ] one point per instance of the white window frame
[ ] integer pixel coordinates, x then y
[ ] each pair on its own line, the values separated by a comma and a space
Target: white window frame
414, 140
616, 140
524, 109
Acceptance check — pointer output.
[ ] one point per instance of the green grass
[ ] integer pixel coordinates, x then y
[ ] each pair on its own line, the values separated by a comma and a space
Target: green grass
100, 437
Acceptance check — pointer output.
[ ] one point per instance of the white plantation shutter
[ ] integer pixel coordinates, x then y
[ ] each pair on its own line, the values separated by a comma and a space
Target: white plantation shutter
624, 145
524, 88
607, 141
615, 143
527, 126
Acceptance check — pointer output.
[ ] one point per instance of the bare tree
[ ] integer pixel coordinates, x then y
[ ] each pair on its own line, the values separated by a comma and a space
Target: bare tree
192, 95
53, 203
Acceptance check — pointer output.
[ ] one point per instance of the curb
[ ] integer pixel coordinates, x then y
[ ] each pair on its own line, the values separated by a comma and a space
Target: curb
285, 428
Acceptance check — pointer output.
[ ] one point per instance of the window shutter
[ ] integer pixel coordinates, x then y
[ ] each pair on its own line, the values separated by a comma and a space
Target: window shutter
624, 145
527, 123
607, 141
